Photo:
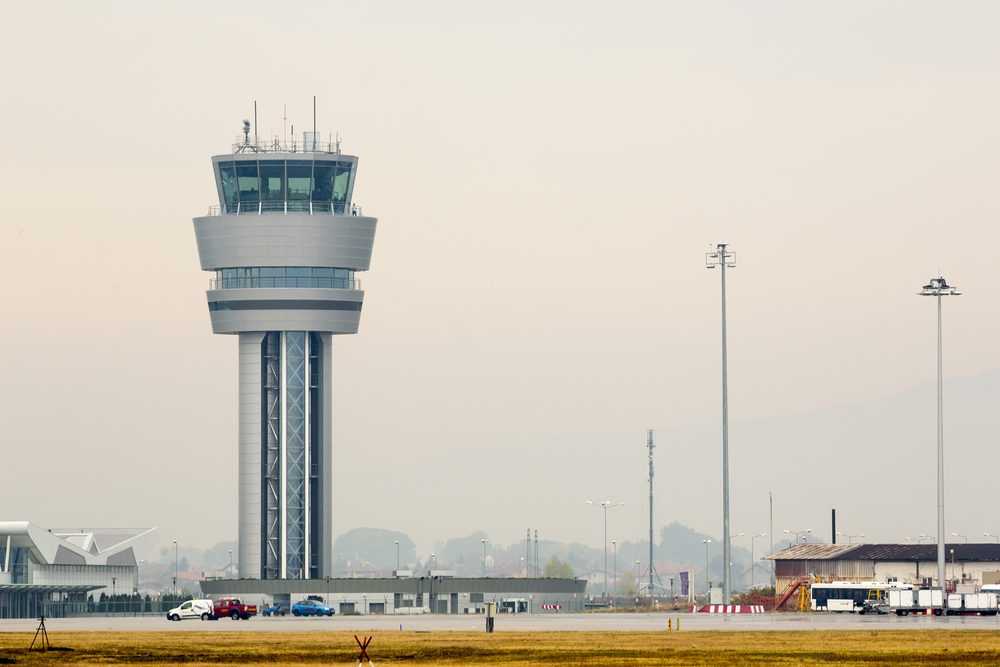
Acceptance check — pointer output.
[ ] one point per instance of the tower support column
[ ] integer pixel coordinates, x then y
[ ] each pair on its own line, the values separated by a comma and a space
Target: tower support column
286, 486
251, 490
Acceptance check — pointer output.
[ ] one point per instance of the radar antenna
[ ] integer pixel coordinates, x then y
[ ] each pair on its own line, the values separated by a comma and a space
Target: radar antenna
246, 146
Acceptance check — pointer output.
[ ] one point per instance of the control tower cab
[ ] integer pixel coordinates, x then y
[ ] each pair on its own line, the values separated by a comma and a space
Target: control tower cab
285, 245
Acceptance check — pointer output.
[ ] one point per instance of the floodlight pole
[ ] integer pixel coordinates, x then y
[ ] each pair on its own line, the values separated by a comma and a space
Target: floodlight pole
939, 287
724, 260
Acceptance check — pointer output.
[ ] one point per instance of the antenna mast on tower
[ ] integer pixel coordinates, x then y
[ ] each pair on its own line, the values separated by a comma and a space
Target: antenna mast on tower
649, 443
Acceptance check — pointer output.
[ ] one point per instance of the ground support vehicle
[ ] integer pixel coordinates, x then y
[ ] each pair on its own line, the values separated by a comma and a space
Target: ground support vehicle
192, 609
233, 608
276, 609
311, 607
880, 606
904, 601
981, 604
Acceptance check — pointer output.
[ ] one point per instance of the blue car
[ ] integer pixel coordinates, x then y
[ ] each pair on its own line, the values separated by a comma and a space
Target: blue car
311, 608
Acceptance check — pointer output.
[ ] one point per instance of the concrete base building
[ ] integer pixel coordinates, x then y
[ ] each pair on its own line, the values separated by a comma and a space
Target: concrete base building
415, 595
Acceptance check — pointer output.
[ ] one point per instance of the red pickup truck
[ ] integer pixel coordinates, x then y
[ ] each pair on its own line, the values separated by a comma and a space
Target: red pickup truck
233, 608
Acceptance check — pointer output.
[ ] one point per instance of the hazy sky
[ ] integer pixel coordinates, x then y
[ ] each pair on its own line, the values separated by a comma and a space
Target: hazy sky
547, 178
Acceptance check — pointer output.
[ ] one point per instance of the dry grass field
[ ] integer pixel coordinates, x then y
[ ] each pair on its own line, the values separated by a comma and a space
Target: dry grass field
972, 647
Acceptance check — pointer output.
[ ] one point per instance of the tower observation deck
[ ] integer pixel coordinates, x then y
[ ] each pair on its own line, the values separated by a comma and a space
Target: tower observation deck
284, 246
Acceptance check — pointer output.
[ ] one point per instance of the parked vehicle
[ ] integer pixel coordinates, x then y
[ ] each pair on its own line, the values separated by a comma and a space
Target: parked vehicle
879, 606
905, 601
841, 596
276, 609
192, 609
975, 604
311, 608
233, 608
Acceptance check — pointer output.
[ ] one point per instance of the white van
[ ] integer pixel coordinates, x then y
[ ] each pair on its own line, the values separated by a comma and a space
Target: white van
192, 609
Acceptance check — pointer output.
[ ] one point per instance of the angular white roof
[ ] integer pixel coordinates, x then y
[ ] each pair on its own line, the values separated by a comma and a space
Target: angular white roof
81, 546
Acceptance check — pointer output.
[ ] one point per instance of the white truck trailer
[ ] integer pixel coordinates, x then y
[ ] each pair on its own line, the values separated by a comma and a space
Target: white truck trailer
918, 600
982, 604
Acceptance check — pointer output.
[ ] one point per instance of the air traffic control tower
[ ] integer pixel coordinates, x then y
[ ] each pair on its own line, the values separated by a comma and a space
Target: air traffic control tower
284, 246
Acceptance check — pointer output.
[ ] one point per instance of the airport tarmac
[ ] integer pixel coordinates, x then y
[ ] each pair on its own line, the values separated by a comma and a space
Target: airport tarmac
516, 623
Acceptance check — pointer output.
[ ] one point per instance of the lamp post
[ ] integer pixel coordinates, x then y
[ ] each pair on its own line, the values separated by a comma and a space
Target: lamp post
962, 536
722, 259
175, 568
434, 559
923, 536
995, 537
614, 576
230, 562
850, 538
752, 561
605, 505
939, 287
484, 541
707, 585
798, 533
397, 554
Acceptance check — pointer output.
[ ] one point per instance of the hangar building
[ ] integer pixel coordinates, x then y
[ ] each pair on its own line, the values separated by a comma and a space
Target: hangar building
909, 563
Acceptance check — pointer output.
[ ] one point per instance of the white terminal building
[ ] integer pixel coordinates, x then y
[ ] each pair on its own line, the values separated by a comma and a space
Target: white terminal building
285, 246
56, 571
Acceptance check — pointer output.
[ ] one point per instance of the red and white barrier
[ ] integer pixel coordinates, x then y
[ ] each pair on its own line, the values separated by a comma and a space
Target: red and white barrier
729, 609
